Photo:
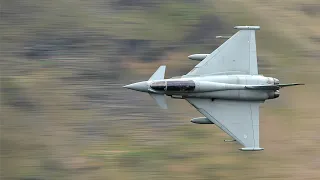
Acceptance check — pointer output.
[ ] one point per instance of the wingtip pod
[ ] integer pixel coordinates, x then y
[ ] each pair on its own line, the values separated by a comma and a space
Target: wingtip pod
223, 37
247, 27
251, 149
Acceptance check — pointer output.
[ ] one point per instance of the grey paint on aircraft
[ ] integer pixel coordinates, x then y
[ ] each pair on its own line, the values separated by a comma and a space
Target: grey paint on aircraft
225, 87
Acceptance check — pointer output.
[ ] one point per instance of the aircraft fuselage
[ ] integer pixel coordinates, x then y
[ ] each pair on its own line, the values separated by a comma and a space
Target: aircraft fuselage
230, 87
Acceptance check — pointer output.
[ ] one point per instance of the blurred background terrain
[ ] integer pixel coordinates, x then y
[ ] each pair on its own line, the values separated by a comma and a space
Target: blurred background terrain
65, 115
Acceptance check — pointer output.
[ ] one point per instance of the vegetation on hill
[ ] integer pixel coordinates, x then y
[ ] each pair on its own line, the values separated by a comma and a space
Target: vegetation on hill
65, 115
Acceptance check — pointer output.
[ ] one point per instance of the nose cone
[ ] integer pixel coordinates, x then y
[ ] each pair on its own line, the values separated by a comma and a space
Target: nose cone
139, 86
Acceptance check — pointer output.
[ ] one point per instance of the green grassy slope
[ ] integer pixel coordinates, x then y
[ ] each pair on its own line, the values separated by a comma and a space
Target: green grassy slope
65, 115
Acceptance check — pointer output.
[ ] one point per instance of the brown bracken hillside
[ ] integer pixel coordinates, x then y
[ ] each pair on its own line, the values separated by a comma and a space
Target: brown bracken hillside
65, 115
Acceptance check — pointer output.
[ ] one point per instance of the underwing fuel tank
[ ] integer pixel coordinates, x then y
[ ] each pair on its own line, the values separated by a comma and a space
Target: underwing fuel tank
198, 57
201, 120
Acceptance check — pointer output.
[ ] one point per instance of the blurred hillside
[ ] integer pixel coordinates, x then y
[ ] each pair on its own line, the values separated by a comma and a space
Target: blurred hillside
65, 115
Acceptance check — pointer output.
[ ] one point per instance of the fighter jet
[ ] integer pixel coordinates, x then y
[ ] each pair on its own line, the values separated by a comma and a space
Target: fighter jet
225, 87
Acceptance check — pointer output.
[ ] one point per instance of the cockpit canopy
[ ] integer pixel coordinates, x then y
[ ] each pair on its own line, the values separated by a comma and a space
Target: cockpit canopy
184, 86
159, 85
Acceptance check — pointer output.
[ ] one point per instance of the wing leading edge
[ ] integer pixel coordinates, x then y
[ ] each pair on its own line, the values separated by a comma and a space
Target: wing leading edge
237, 55
239, 119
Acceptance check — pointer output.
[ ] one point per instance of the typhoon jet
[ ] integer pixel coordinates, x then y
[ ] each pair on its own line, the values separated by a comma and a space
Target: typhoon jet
224, 87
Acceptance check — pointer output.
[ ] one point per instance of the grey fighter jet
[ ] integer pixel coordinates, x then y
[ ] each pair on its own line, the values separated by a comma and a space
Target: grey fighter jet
225, 87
